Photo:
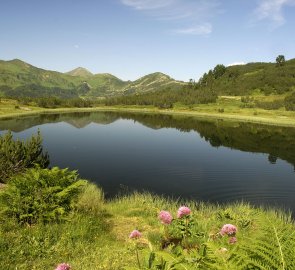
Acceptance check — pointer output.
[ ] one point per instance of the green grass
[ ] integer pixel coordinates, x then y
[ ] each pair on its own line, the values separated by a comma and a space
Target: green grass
230, 105
96, 233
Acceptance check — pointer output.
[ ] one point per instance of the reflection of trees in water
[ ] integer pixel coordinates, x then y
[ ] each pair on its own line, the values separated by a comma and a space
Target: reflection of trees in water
272, 159
278, 142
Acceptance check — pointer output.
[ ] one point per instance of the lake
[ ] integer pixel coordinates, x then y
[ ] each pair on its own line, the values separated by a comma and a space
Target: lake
181, 157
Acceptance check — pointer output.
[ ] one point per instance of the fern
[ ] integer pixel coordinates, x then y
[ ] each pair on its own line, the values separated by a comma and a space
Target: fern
271, 248
41, 195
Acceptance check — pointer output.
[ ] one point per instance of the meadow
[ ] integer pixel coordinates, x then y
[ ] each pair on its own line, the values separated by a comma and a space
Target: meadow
96, 233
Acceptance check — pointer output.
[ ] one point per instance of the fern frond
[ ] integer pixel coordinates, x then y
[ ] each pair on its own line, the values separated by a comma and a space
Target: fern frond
271, 248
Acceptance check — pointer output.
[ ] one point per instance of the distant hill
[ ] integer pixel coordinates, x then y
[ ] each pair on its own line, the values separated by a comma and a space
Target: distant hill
18, 78
265, 78
82, 72
250, 80
152, 82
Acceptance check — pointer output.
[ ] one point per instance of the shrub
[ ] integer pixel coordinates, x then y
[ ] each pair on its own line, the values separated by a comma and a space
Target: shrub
90, 200
16, 156
290, 102
41, 195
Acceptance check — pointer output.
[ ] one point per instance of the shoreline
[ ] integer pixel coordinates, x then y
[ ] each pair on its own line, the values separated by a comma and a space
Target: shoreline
270, 120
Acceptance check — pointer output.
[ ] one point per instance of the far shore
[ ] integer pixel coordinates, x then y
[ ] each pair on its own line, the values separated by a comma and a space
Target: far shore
271, 119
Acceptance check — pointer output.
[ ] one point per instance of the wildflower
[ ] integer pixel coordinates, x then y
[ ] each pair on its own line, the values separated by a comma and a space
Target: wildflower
233, 240
63, 266
165, 217
228, 229
135, 234
183, 211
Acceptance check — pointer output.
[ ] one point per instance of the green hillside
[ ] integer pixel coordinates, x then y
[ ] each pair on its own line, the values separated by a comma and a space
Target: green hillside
152, 82
16, 73
105, 85
252, 78
254, 85
20, 79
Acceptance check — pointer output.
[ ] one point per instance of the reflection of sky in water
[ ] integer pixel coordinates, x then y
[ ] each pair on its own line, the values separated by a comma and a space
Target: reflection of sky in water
166, 161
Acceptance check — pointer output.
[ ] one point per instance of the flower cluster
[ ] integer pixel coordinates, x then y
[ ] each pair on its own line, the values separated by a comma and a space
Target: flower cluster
229, 230
183, 211
233, 240
63, 266
165, 217
135, 234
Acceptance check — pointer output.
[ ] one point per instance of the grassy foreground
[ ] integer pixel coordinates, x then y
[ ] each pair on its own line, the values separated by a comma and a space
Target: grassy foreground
96, 236
228, 108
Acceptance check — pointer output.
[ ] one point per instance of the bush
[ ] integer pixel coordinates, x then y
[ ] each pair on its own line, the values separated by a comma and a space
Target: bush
90, 200
41, 195
290, 102
16, 156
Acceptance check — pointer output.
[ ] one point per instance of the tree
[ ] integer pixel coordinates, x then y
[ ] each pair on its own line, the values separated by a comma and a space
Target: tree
280, 60
16, 156
191, 83
218, 71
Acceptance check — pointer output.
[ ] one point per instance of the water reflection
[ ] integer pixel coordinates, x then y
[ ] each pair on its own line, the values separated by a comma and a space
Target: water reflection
277, 142
185, 157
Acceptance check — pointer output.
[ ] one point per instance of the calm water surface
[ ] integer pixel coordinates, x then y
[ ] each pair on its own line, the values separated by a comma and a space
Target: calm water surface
183, 157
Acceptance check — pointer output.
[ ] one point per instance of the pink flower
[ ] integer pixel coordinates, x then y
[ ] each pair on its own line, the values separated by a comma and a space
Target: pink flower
165, 217
63, 266
135, 234
228, 229
183, 211
233, 240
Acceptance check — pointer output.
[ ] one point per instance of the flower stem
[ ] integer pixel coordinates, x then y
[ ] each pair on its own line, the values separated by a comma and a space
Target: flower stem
137, 256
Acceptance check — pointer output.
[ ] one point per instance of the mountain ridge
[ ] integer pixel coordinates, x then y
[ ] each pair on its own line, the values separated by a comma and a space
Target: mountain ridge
18, 78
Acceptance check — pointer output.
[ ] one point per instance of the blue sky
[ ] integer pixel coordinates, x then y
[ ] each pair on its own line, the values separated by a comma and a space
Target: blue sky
131, 38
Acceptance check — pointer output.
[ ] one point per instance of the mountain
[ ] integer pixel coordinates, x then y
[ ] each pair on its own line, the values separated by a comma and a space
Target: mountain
18, 78
152, 82
80, 71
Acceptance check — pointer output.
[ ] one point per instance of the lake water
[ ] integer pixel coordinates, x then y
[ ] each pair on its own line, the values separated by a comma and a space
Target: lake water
212, 161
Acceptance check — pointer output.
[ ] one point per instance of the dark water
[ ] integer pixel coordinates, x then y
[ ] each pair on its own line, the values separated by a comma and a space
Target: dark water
213, 161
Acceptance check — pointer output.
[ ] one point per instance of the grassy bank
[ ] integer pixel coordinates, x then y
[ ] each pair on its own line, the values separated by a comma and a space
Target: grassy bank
96, 236
227, 108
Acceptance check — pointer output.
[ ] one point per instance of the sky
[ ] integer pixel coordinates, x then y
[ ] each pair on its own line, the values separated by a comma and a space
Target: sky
132, 38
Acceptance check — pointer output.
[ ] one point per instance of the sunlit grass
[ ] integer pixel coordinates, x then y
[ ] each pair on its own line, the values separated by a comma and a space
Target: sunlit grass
96, 233
225, 108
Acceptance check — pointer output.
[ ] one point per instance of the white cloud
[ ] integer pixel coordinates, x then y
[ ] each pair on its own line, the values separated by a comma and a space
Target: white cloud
272, 10
236, 64
147, 4
76, 46
203, 29
192, 15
